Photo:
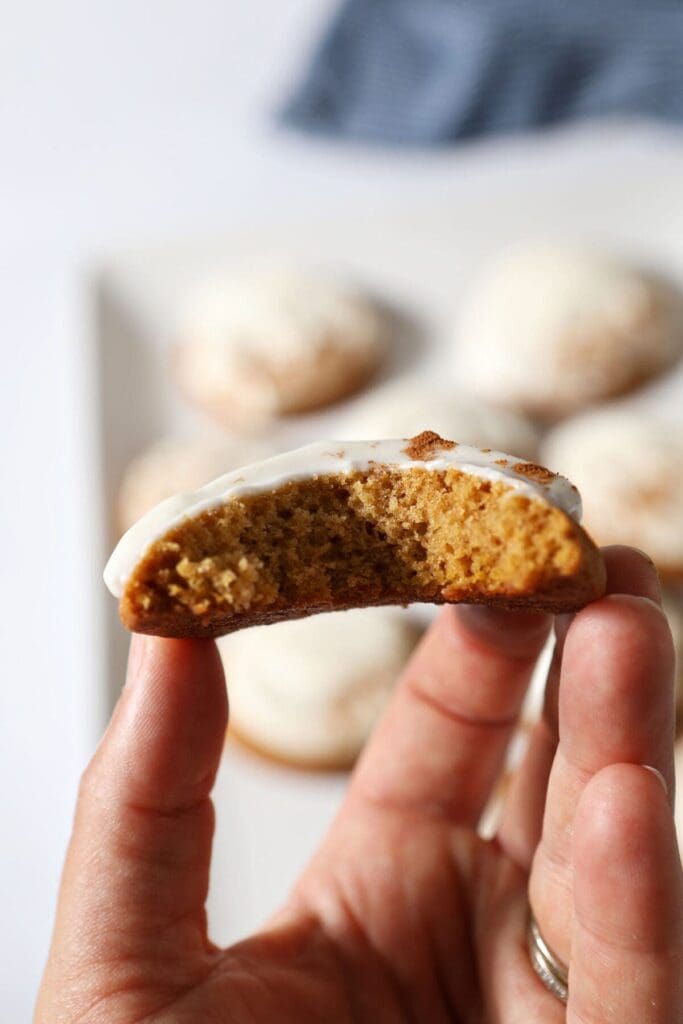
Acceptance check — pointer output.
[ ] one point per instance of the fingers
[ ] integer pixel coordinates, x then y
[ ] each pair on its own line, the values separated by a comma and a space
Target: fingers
440, 745
512, 993
628, 572
627, 941
615, 705
521, 822
138, 860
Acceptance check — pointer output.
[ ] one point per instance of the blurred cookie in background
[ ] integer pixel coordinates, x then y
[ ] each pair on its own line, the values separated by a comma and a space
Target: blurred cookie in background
550, 329
257, 346
628, 466
308, 692
172, 466
407, 408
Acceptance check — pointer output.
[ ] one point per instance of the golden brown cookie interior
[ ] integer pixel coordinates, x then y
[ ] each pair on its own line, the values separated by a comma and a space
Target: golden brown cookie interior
383, 536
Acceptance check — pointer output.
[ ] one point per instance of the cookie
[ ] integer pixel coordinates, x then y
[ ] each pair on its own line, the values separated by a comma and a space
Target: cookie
550, 330
407, 408
346, 524
255, 347
629, 468
309, 692
171, 466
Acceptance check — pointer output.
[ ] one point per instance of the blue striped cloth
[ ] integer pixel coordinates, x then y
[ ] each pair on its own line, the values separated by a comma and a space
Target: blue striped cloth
432, 71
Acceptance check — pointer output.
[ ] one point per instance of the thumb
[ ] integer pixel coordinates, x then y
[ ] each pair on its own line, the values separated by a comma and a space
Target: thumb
137, 869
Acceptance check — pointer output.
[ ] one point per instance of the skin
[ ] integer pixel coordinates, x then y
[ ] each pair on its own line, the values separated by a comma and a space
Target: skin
404, 913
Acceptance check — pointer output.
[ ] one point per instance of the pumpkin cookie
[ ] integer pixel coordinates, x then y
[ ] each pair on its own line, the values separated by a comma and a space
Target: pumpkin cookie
338, 525
309, 692
550, 330
255, 347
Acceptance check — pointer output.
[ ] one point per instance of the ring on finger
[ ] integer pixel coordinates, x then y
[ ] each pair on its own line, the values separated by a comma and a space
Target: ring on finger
547, 965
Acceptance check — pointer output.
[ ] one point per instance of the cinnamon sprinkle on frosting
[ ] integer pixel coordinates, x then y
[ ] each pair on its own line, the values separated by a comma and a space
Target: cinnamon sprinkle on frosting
427, 445
533, 472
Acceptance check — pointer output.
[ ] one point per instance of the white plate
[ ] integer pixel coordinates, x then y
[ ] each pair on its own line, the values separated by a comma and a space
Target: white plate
268, 818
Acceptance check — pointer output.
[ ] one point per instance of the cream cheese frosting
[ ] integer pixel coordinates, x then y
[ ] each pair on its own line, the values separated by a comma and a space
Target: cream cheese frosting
333, 458
555, 328
172, 465
280, 314
254, 345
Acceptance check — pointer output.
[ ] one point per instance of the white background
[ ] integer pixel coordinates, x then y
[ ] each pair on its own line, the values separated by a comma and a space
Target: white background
122, 124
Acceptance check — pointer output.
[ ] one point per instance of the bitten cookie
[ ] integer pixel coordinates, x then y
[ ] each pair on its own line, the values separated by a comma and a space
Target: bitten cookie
407, 408
346, 524
629, 468
254, 347
309, 692
171, 466
550, 330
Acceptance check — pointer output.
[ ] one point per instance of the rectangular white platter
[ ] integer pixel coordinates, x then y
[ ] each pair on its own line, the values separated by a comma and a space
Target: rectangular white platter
420, 259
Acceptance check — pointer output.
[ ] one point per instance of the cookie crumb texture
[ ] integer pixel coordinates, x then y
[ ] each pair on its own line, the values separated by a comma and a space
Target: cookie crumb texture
365, 538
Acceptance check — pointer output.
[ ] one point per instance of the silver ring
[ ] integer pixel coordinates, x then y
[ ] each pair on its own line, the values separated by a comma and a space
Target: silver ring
547, 965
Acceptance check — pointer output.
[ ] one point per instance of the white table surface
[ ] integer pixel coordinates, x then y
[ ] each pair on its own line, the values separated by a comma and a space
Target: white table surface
122, 124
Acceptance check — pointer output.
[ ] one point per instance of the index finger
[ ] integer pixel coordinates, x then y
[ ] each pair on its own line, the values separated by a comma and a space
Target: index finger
137, 868
440, 745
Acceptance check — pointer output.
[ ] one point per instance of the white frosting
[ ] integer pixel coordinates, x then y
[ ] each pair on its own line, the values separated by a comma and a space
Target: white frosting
411, 406
278, 314
255, 340
549, 326
311, 690
171, 465
324, 458
629, 468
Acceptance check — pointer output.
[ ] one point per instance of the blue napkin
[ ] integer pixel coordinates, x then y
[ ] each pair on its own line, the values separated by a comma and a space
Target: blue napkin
432, 71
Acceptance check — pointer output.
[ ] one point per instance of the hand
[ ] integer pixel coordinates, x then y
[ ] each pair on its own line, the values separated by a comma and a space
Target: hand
404, 914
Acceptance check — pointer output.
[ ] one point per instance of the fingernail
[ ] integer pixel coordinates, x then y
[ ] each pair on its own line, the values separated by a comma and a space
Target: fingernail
658, 775
518, 634
562, 624
486, 620
564, 621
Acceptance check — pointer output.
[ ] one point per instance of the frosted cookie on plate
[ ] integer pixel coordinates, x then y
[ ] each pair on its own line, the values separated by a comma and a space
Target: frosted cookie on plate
253, 347
407, 408
551, 329
309, 692
339, 525
629, 467
170, 466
